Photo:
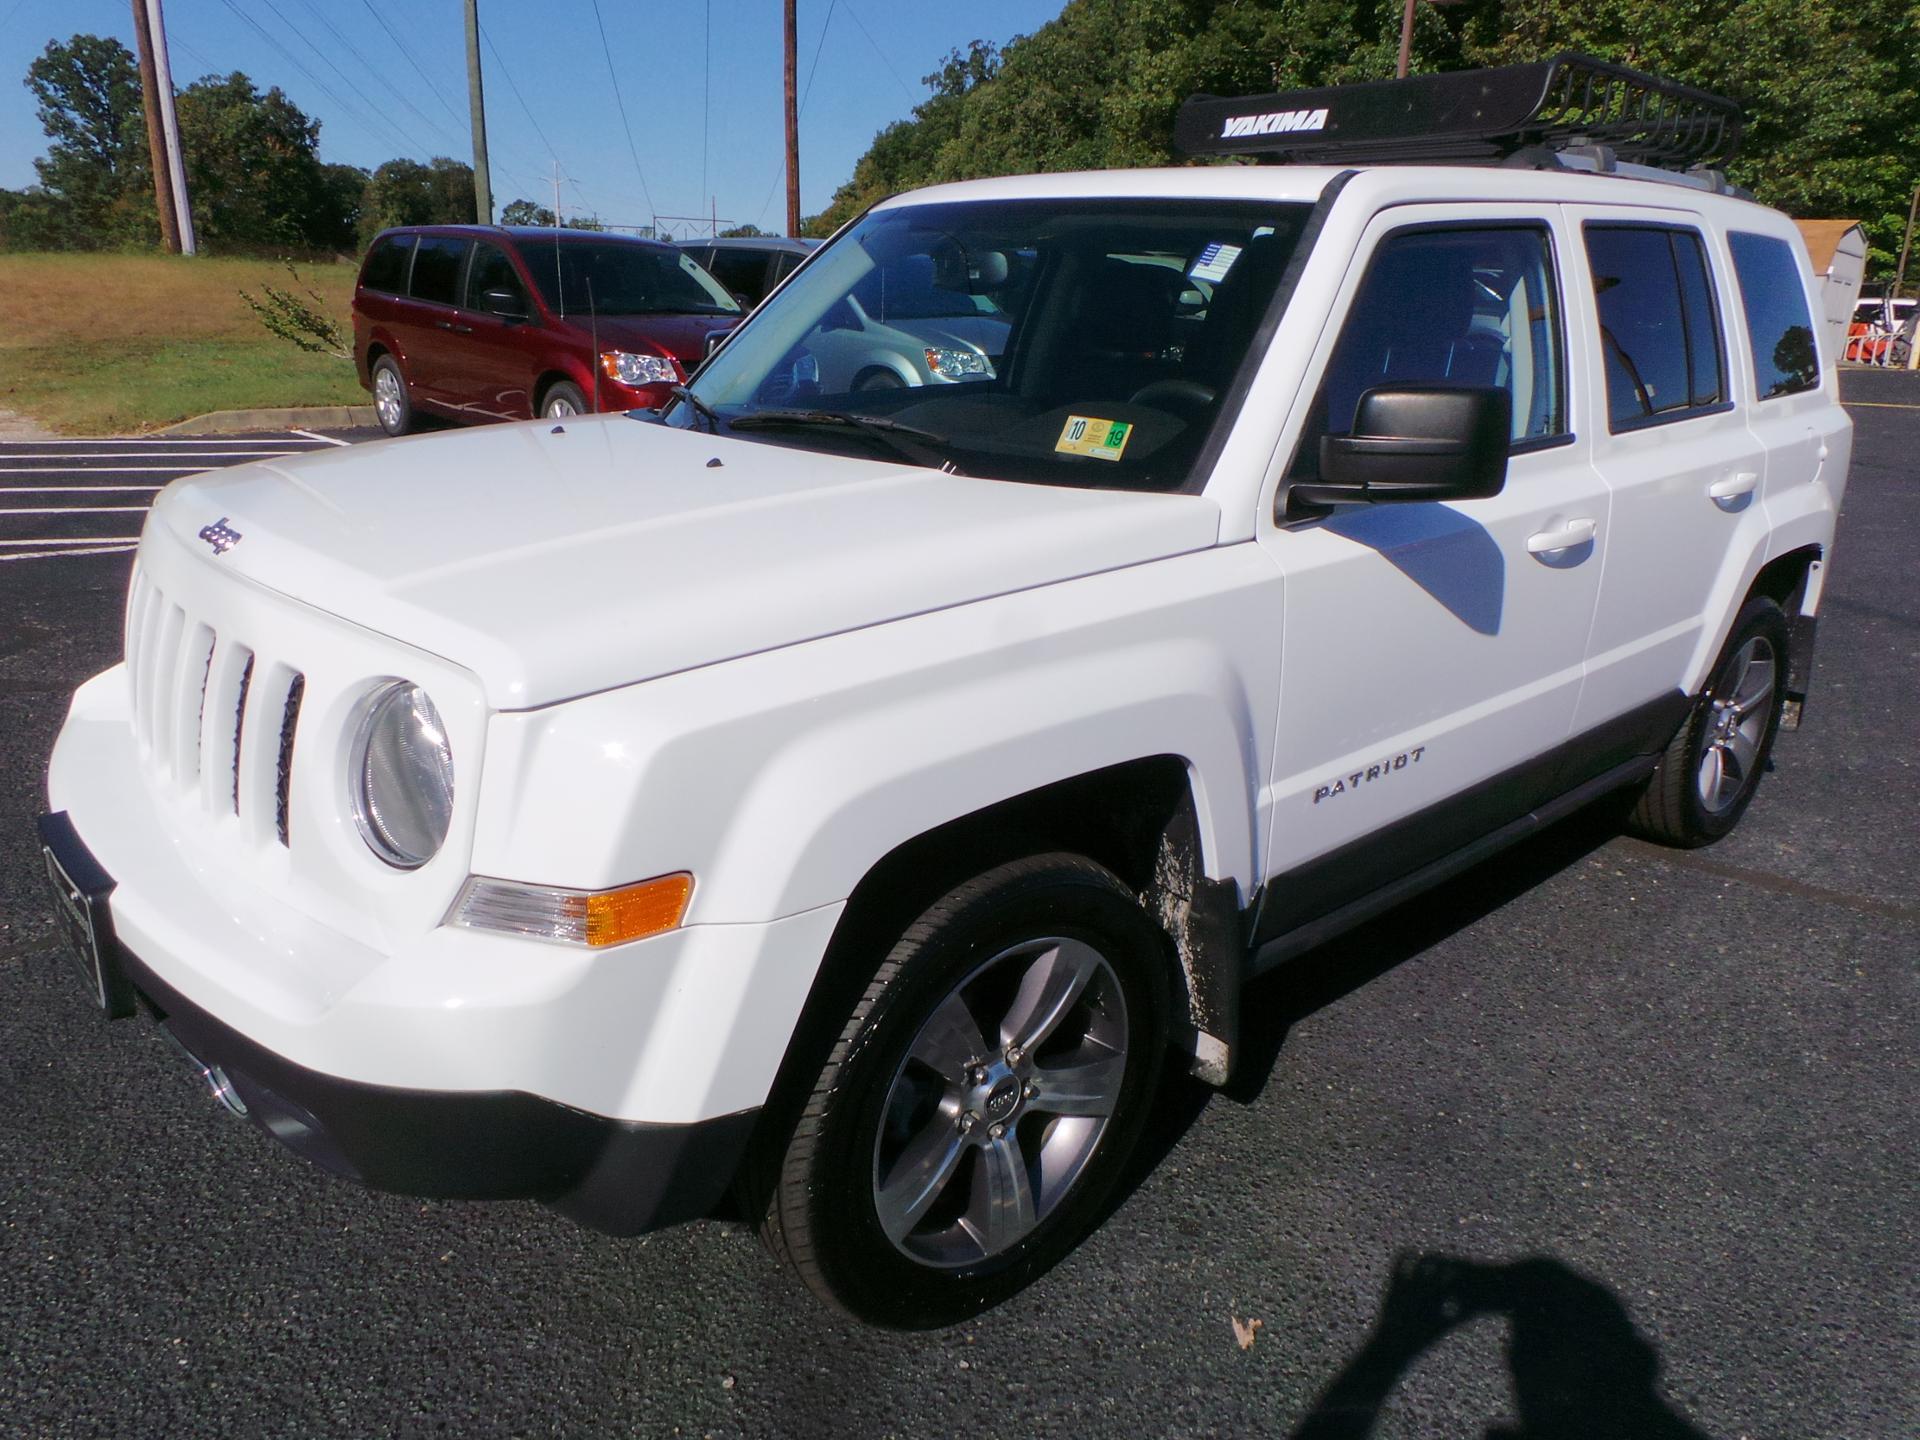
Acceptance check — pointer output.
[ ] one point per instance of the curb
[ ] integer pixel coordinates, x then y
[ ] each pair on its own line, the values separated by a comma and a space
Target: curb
308, 417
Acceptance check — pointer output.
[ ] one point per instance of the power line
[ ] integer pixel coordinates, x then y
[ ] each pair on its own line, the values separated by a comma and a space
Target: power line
524, 107
854, 16
294, 60
373, 106
367, 65
408, 55
706, 91
613, 75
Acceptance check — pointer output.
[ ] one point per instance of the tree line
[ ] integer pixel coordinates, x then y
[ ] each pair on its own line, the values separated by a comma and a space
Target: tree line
253, 167
1831, 88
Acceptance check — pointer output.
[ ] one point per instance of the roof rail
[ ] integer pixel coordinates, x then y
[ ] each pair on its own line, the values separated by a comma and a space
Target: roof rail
1565, 103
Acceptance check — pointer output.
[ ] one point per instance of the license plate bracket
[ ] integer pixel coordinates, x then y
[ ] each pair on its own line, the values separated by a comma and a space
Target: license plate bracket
80, 890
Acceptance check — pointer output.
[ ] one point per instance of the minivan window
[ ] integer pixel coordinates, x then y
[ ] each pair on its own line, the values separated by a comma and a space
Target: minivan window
1774, 300
436, 269
386, 267
576, 277
1659, 327
1477, 306
491, 270
742, 271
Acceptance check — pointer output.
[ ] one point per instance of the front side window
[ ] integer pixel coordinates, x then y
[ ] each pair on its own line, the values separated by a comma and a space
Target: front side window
743, 272
1472, 306
436, 269
1078, 342
1659, 327
1775, 304
581, 278
492, 270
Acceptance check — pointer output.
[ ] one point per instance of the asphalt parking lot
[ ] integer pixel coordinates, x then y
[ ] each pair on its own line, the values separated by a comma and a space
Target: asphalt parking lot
1599, 1140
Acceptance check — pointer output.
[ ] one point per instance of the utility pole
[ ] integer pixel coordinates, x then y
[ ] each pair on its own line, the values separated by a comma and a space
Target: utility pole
793, 133
156, 137
1406, 40
556, 192
1900, 275
170, 126
477, 106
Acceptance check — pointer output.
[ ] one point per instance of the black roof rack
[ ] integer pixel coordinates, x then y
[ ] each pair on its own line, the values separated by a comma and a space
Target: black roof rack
1473, 115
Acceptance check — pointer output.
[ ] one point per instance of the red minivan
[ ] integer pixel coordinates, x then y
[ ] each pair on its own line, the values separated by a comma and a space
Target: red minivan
486, 322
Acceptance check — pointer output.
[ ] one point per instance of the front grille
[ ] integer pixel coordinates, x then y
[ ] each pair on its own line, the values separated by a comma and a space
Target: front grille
204, 706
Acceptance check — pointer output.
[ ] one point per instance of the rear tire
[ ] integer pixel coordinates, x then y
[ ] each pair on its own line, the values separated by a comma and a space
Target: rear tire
940, 1164
1708, 775
391, 404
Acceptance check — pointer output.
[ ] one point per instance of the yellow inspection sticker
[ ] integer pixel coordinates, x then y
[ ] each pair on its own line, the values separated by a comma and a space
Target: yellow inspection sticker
1102, 439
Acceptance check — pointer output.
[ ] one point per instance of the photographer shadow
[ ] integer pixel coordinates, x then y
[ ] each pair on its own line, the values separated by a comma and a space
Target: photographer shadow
1581, 1371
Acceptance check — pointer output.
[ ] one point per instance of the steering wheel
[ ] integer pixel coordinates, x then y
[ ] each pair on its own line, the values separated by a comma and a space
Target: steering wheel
1181, 397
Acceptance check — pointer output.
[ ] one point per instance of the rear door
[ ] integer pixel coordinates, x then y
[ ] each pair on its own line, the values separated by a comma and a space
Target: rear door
433, 325
1433, 653
1675, 450
1791, 415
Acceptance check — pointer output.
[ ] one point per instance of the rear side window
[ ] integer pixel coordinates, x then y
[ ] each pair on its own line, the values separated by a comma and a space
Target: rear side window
436, 269
1775, 301
744, 272
386, 267
1659, 327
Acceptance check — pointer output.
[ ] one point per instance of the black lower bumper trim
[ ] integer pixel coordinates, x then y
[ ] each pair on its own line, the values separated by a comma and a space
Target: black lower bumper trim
618, 1176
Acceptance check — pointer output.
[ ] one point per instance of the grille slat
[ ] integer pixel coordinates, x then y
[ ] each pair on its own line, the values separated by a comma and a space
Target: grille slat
213, 717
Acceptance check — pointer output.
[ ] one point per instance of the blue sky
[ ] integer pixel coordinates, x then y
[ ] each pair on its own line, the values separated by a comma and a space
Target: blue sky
701, 81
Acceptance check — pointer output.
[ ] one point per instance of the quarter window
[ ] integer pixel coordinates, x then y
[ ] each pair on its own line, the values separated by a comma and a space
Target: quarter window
436, 269
1775, 303
386, 268
1659, 326
1452, 307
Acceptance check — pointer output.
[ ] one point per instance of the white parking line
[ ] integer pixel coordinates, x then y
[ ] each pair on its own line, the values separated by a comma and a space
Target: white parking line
69, 458
81, 510
201, 443
79, 489
93, 548
105, 470
79, 540
311, 436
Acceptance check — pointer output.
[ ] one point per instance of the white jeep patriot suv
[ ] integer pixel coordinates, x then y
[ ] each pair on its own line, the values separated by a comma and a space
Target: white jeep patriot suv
838, 803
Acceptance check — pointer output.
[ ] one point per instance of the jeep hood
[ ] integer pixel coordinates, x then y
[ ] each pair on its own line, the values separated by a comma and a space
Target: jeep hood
556, 561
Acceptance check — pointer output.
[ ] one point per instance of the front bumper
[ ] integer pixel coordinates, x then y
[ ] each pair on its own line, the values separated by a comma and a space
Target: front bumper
622, 1177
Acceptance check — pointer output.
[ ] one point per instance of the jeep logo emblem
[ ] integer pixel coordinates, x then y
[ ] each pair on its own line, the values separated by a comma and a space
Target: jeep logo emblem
220, 535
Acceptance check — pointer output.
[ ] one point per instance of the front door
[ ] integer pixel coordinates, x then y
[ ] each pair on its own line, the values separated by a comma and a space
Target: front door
1433, 653
493, 364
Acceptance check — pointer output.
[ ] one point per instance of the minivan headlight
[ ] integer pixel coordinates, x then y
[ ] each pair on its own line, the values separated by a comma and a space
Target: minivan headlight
402, 779
631, 369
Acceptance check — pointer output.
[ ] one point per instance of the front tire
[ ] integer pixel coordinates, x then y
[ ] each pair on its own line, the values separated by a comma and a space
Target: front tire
562, 401
981, 1100
1709, 773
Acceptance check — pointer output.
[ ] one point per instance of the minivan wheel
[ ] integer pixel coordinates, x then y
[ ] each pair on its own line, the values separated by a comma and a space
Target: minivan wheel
390, 403
562, 400
981, 1100
1708, 775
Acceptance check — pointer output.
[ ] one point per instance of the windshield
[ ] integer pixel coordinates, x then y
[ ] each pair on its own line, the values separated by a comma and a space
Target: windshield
1077, 342
613, 279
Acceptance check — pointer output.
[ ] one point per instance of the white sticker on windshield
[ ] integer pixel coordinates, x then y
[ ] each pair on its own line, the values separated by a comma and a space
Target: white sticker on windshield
1214, 262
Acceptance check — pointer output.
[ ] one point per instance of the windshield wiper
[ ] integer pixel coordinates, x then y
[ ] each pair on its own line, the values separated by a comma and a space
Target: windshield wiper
699, 406
907, 440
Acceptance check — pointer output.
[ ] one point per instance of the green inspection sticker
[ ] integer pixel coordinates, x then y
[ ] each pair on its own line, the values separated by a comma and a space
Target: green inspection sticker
1102, 439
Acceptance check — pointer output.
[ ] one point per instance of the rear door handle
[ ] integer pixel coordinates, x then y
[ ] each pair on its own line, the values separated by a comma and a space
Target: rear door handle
1733, 486
1564, 537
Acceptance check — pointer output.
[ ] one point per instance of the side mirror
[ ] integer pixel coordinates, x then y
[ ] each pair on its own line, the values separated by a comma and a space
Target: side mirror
505, 304
1412, 444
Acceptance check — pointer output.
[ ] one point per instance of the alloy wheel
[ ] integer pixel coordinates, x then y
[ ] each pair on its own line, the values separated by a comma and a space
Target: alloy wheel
1738, 710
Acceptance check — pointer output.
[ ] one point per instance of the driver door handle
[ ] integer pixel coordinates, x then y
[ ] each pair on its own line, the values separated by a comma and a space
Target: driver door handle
1563, 537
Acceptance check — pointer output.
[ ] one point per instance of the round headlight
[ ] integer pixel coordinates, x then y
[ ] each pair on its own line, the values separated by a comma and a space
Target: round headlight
402, 783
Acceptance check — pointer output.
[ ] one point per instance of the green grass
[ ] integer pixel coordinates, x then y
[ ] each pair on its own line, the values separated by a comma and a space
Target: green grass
114, 344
